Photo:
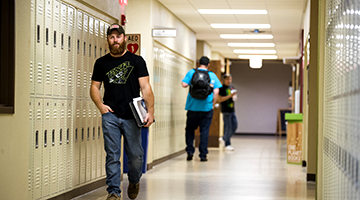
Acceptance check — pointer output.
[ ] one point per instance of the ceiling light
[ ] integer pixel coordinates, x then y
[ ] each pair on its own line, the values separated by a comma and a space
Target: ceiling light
257, 56
231, 11
246, 36
255, 51
251, 44
240, 26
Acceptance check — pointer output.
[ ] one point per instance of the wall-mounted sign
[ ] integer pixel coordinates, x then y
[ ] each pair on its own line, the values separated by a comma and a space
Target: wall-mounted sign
133, 43
164, 32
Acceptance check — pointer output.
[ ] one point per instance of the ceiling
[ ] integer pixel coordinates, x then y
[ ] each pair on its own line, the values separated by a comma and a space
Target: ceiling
284, 16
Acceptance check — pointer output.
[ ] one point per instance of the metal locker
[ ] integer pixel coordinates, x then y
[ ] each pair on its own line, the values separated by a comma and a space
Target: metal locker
106, 46
56, 72
95, 42
63, 50
47, 47
32, 47
86, 52
31, 153
92, 139
82, 145
46, 143
54, 146
95, 124
76, 143
101, 39
37, 148
69, 143
90, 57
87, 142
79, 50
39, 86
61, 142
70, 47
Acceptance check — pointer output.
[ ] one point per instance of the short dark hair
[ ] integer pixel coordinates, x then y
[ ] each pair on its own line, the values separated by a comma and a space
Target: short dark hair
204, 60
227, 75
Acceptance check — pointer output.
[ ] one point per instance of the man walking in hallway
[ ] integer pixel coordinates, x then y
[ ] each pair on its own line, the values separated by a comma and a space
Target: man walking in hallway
204, 88
227, 96
123, 74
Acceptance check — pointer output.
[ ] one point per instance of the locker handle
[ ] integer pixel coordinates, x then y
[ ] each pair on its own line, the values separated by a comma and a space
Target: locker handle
47, 36
53, 137
88, 134
62, 40
95, 52
38, 33
60, 136
37, 139
93, 133
99, 132
89, 50
78, 46
82, 134
45, 138
84, 48
54, 38
69, 44
100, 51
67, 136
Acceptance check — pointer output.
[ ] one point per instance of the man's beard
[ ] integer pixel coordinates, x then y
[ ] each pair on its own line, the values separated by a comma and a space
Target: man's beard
117, 50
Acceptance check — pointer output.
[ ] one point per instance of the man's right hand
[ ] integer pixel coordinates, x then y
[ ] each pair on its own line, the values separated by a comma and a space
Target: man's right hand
105, 109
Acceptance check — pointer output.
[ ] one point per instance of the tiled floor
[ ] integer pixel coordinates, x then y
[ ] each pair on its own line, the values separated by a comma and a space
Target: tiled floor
256, 170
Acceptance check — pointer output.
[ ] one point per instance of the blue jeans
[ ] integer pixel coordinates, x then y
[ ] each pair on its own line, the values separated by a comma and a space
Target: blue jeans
113, 128
230, 126
195, 119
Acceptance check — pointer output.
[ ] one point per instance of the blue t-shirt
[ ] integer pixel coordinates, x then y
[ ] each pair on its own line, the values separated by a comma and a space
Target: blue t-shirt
203, 105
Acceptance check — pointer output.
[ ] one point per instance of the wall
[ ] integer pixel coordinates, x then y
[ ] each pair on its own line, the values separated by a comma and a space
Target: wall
261, 92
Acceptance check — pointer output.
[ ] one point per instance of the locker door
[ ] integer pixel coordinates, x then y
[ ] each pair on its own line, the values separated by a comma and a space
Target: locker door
91, 57
54, 146
106, 46
87, 141
32, 139
46, 143
97, 143
86, 51
76, 141
92, 139
63, 50
39, 85
47, 47
56, 49
79, 54
101, 39
32, 47
96, 41
61, 141
37, 148
71, 42
69, 143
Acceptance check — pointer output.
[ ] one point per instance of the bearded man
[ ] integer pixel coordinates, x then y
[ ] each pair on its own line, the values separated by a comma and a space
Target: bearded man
123, 74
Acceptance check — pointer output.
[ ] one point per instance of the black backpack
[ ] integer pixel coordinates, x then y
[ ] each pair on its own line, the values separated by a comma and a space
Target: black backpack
200, 84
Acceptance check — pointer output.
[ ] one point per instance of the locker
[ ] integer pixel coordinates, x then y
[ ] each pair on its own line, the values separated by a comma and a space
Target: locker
71, 36
96, 40
97, 143
82, 141
54, 146
47, 47
32, 47
87, 141
37, 148
61, 142
76, 142
90, 57
79, 41
31, 152
55, 49
46, 143
85, 56
39, 86
101, 39
63, 50
106, 46
92, 138
69, 143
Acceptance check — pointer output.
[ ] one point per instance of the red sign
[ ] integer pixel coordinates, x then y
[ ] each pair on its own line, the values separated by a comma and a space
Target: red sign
133, 43
123, 2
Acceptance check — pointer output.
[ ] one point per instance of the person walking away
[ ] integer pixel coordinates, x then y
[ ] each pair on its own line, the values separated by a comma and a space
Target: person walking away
203, 91
227, 97
123, 74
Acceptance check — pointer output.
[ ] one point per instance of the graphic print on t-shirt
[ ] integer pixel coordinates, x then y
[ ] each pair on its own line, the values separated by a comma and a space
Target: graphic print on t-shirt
120, 74
230, 104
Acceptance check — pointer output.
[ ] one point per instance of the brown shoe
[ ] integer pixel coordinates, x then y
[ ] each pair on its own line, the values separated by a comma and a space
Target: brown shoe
113, 196
133, 190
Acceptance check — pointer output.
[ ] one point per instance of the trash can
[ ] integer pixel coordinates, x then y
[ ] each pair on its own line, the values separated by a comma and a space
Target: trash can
294, 138
145, 139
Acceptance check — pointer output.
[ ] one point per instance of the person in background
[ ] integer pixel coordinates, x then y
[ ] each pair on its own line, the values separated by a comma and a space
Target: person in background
227, 97
199, 111
123, 74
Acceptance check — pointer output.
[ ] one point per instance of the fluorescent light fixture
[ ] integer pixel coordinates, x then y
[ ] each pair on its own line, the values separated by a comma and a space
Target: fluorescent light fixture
255, 51
232, 11
240, 25
255, 63
246, 36
251, 44
257, 56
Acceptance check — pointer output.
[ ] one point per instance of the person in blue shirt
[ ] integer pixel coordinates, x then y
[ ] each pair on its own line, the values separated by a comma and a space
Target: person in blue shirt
200, 112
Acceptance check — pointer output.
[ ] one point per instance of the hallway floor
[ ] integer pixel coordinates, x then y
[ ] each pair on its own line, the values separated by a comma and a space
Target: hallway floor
256, 170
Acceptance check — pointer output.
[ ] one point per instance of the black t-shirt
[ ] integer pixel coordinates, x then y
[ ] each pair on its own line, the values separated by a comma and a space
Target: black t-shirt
121, 80
228, 105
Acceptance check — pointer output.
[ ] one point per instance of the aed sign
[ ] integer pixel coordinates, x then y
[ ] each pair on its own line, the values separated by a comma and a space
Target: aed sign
133, 43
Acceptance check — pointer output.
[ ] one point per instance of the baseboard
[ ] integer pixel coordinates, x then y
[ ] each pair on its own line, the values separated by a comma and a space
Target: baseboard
163, 159
81, 190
